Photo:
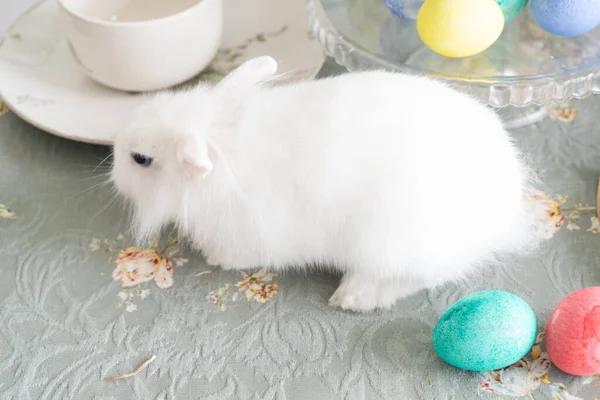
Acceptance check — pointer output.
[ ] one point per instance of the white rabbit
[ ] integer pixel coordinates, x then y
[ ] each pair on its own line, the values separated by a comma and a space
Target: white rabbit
398, 181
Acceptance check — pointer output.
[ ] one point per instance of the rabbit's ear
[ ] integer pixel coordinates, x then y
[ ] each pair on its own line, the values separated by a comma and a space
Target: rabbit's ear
192, 154
248, 75
234, 90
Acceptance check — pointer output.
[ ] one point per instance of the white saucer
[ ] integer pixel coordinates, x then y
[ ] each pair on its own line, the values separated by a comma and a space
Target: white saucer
40, 81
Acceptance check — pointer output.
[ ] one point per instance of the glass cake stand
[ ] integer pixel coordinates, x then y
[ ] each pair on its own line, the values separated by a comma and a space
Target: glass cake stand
526, 69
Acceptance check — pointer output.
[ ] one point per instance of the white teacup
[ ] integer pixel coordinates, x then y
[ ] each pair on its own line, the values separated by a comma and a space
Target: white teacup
142, 45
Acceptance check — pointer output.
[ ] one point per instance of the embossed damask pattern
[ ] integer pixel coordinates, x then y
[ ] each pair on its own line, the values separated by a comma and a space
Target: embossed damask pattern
65, 323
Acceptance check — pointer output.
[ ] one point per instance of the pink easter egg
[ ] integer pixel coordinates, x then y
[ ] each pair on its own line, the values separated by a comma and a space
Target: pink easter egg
573, 333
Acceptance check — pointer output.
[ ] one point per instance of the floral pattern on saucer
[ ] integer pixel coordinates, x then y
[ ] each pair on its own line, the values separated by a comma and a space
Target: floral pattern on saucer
229, 58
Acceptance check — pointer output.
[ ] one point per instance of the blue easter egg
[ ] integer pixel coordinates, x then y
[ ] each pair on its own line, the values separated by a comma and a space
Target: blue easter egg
566, 17
485, 331
511, 8
405, 9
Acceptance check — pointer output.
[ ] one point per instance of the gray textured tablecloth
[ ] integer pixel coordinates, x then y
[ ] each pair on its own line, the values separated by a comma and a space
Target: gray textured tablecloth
66, 324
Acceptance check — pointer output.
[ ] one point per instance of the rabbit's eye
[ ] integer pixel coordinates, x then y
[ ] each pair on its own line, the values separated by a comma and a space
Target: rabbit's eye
141, 159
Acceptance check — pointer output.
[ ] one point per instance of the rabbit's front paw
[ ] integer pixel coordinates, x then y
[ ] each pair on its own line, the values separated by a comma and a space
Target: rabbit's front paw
363, 293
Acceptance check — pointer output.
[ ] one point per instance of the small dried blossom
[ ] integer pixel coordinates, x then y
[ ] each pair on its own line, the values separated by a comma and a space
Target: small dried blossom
6, 212
258, 286
138, 265
266, 293
180, 262
135, 266
551, 216
524, 377
94, 245
563, 113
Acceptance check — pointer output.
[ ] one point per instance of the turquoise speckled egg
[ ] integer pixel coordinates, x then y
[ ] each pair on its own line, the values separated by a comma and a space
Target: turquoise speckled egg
485, 331
511, 8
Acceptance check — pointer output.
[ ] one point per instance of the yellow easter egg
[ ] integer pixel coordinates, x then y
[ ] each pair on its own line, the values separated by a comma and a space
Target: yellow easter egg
459, 28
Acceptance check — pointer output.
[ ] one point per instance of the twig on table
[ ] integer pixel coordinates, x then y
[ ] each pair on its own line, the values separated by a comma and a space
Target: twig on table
137, 371
583, 209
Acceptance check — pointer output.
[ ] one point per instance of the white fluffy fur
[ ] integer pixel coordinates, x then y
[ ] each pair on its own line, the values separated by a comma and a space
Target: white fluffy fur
398, 181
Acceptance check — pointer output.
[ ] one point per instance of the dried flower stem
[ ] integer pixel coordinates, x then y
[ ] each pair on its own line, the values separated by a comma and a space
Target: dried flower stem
210, 271
137, 371
598, 200
581, 209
